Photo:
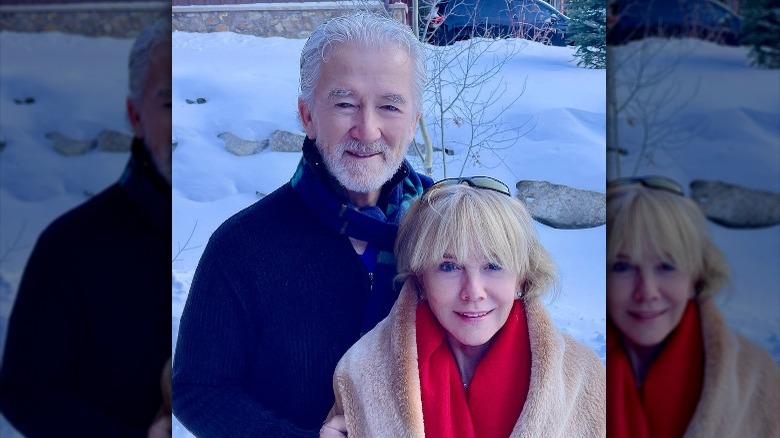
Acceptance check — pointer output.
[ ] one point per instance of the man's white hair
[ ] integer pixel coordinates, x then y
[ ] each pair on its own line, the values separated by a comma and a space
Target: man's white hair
367, 30
156, 33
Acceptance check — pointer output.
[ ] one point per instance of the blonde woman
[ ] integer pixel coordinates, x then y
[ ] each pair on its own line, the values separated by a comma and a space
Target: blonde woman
675, 367
469, 350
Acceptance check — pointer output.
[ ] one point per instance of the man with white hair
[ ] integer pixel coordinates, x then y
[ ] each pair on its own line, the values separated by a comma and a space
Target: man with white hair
287, 285
89, 335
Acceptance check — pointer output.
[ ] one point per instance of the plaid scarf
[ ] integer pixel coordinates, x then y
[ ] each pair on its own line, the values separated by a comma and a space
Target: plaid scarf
377, 225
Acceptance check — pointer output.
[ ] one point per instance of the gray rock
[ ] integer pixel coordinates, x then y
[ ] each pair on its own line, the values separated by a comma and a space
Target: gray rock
735, 206
68, 146
238, 146
283, 141
561, 206
114, 141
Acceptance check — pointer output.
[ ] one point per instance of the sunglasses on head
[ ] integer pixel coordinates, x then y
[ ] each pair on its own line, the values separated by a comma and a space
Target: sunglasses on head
651, 182
479, 182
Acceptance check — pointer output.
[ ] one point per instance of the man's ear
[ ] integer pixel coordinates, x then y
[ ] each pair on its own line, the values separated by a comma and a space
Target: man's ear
134, 115
306, 120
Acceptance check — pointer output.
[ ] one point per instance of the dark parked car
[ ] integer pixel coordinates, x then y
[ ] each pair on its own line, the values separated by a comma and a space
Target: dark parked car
709, 20
536, 20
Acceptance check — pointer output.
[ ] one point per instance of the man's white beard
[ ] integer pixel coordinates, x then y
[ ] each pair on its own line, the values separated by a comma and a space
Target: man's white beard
363, 177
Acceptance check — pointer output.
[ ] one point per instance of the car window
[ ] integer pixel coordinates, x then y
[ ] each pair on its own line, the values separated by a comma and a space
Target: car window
709, 12
496, 9
530, 12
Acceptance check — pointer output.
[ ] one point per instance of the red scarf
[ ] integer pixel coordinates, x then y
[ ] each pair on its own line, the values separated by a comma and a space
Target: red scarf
664, 405
497, 392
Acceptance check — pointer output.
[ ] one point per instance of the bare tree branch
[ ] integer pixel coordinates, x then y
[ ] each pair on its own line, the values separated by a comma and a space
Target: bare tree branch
186, 246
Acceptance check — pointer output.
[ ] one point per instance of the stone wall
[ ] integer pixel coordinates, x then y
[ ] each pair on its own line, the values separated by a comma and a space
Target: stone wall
113, 20
289, 20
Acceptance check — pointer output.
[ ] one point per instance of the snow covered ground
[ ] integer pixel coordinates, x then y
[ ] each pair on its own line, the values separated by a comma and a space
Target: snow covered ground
250, 87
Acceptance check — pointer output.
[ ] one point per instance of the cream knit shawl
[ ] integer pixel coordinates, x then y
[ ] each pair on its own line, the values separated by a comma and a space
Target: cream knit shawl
377, 384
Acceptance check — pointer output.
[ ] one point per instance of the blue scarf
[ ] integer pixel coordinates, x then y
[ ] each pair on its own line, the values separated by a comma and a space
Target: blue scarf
377, 225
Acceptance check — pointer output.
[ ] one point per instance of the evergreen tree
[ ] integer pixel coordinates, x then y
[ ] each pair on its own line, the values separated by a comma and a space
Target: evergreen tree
588, 31
761, 31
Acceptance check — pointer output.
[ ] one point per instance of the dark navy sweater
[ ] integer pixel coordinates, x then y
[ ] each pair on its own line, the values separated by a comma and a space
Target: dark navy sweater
276, 300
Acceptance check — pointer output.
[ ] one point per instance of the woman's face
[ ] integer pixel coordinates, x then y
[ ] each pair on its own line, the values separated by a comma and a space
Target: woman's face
646, 297
471, 298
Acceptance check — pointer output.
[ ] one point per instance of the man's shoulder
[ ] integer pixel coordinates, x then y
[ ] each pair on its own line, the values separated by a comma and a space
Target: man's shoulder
425, 180
277, 208
80, 221
270, 226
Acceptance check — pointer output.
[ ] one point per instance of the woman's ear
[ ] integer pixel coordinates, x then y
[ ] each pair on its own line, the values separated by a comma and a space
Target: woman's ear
521, 288
696, 287
418, 282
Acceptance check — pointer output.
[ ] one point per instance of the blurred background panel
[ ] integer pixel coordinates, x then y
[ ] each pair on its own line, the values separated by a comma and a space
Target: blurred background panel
693, 93
64, 133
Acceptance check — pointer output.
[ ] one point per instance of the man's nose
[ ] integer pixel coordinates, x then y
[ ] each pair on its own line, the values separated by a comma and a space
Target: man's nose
366, 127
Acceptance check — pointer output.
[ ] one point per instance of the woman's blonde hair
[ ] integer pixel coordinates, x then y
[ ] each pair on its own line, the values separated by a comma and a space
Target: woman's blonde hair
668, 225
461, 221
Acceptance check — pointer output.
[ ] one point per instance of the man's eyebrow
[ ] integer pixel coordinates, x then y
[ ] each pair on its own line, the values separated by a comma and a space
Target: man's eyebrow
394, 97
339, 92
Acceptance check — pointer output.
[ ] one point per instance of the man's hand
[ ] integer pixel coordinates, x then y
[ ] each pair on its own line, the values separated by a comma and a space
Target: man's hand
336, 427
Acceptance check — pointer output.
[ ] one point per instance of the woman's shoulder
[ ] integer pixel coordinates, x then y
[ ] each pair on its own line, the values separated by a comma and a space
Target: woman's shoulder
725, 344
564, 369
740, 396
369, 349
580, 354
758, 374
546, 335
385, 357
